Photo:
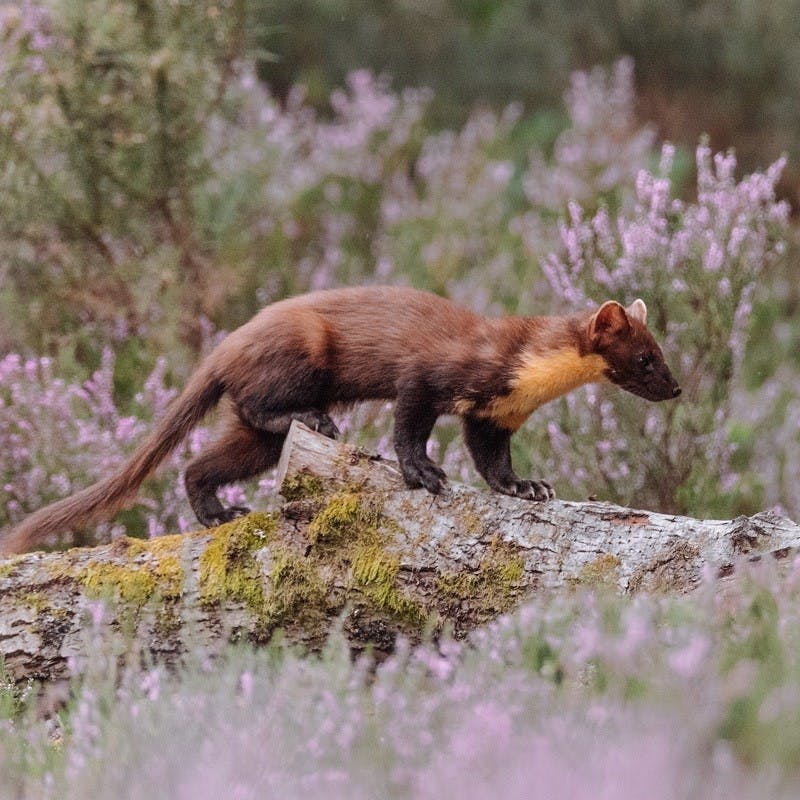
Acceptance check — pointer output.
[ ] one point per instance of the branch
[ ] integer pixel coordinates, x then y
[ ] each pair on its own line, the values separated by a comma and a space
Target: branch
351, 546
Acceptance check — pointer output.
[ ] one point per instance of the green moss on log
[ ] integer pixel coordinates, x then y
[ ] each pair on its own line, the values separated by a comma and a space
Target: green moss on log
297, 591
285, 588
495, 586
603, 571
228, 566
302, 486
352, 530
375, 574
347, 518
151, 568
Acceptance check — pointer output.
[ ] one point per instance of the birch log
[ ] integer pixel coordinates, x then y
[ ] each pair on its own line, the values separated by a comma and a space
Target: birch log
350, 544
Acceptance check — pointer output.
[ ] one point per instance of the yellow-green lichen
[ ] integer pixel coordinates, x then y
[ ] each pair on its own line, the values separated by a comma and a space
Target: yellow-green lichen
7, 568
130, 583
228, 567
165, 556
508, 570
153, 568
353, 530
346, 518
302, 485
169, 576
67, 567
603, 571
494, 586
38, 601
289, 588
375, 574
161, 546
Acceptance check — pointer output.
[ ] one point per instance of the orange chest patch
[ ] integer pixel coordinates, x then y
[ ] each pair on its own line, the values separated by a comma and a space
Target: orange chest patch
540, 379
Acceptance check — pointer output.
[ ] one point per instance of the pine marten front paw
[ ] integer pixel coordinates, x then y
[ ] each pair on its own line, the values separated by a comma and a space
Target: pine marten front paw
425, 474
535, 490
528, 490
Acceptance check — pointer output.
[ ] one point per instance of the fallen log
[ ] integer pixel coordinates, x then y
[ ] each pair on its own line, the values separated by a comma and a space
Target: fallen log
351, 546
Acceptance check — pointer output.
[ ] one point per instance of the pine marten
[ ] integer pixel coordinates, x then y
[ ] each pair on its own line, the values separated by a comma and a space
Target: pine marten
301, 357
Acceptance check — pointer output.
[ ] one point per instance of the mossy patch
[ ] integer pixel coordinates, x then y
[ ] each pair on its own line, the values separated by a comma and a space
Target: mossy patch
167, 563
459, 585
494, 586
133, 584
7, 568
38, 601
375, 574
168, 621
296, 589
302, 486
603, 571
228, 567
347, 518
153, 568
352, 530
289, 588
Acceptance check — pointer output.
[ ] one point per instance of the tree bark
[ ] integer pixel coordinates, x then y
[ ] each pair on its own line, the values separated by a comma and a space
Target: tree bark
350, 546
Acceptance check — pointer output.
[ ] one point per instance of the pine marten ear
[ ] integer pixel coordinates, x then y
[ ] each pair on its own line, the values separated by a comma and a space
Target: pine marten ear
610, 320
637, 310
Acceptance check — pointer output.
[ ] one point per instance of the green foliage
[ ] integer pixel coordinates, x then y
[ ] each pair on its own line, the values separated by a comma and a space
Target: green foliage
103, 144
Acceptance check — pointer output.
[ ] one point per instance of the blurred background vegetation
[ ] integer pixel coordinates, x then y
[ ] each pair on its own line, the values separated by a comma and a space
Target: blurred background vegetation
167, 168
114, 148
729, 69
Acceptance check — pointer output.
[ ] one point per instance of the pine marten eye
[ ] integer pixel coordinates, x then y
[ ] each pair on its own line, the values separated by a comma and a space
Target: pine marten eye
645, 361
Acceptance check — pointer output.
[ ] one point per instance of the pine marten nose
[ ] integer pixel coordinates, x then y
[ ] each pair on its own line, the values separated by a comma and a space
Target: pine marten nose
676, 391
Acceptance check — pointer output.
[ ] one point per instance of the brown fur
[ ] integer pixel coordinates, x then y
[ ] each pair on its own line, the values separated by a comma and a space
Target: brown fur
300, 357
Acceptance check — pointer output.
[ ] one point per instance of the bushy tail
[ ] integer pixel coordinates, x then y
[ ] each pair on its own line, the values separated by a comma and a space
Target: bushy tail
104, 498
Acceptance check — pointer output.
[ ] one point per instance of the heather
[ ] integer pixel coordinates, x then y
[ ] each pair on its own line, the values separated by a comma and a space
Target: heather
134, 251
703, 66
39, 409
157, 188
584, 694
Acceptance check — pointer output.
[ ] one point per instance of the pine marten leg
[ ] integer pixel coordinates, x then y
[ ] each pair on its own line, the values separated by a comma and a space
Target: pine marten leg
272, 407
277, 422
415, 416
490, 447
240, 453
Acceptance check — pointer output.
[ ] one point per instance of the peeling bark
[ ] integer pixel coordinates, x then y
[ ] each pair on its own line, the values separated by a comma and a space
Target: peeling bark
351, 543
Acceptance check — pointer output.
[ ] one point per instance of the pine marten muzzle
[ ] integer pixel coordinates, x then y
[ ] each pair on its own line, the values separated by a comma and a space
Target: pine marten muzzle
305, 356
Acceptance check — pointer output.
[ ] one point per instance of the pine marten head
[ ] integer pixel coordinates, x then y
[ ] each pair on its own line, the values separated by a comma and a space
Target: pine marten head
635, 361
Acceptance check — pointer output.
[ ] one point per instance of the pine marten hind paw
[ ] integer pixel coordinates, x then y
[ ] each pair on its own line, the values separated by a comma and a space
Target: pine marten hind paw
320, 422
327, 427
229, 514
